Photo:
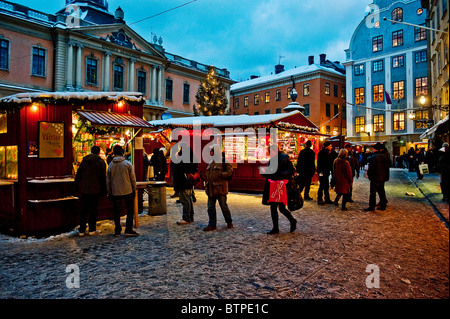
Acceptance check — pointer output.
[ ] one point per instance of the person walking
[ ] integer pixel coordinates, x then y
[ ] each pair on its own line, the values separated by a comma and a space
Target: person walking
378, 174
284, 171
159, 163
324, 171
419, 159
216, 188
443, 167
410, 159
343, 176
353, 160
183, 166
90, 182
306, 168
121, 185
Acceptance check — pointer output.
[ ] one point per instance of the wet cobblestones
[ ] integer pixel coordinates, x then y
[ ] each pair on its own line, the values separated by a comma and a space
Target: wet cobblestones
326, 257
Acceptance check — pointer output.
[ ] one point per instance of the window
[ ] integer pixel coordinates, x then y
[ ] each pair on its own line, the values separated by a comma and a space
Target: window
377, 43
186, 89
421, 119
359, 96
359, 69
169, 91
335, 90
306, 89
398, 90
278, 110
397, 38
327, 109
8, 162
118, 77
256, 113
378, 93
336, 109
267, 112
422, 86
91, 70
378, 123
141, 81
256, 99
4, 54
278, 95
236, 102
420, 56
307, 110
38, 62
267, 97
397, 14
398, 61
288, 93
245, 101
360, 124
327, 88
420, 33
377, 66
399, 121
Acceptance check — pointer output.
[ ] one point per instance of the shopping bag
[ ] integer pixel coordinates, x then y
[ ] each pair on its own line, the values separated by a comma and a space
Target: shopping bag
423, 168
294, 196
278, 192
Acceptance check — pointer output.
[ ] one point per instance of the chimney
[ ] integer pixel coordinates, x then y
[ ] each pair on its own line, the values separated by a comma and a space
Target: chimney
279, 68
323, 57
311, 59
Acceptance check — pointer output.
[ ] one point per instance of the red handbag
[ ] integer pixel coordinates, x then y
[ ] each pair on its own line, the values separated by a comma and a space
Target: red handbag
278, 192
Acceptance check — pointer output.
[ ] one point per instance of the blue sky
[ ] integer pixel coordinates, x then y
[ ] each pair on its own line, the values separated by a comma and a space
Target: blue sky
247, 37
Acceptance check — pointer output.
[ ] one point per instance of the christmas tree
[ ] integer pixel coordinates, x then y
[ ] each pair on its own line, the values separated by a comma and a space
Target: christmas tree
211, 97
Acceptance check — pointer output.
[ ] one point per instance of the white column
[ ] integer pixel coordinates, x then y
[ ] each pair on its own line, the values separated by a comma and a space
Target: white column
410, 82
160, 85
368, 97
107, 71
388, 88
153, 80
131, 77
350, 122
79, 69
69, 66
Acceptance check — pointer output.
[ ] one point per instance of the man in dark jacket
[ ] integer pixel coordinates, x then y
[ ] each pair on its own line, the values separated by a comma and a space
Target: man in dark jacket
306, 168
352, 158
182, 166
378, 174
90, 182
324, 171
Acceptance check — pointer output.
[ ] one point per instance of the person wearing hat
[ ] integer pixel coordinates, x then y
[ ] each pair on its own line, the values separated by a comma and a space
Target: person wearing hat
324, 171
217, 174
378, 174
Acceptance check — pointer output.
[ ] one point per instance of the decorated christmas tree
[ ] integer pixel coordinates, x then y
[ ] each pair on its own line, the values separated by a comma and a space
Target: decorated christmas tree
211, 97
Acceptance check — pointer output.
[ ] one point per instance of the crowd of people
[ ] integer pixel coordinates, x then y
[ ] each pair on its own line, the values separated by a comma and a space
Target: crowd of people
334, 169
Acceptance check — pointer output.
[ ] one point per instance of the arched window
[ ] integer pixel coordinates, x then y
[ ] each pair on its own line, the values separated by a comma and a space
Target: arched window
397, 14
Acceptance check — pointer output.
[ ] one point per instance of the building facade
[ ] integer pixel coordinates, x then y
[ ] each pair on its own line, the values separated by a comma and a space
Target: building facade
387, 74
84, 47
320, 90
438, 63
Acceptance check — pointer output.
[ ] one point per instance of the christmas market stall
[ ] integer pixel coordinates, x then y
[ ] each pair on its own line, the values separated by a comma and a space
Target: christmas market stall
44, 137
245, 139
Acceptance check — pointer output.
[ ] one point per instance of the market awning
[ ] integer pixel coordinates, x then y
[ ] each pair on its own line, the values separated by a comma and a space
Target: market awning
433, 129
114, 119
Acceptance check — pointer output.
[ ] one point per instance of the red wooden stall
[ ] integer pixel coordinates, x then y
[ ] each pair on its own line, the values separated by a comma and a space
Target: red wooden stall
293, 130
43, 138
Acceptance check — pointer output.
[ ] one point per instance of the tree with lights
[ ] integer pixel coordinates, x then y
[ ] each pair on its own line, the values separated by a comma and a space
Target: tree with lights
211, 97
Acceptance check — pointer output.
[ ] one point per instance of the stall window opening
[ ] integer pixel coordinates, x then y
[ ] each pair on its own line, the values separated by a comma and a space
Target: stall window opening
9, 162
38, 62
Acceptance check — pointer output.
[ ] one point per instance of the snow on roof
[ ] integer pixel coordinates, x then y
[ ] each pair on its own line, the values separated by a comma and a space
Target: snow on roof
283, 75
20, 98
224, 120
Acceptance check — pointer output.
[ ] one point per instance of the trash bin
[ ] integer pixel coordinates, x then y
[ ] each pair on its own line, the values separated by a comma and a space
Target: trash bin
157, 198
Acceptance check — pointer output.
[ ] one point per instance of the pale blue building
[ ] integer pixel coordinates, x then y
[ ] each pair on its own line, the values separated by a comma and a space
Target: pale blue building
386, 57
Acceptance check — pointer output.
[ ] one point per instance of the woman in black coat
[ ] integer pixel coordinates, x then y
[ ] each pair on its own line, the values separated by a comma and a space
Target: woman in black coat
284, 171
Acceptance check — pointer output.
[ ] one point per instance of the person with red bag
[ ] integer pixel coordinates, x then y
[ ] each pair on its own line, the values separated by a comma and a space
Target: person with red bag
276, 195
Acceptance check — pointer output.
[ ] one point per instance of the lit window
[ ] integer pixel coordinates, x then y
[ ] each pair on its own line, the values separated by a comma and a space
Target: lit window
398, 61
378, 123
398, 90
378, 93
422, 86
397, 14
359, 96
399, 121
397, 38
377, 43
360, 124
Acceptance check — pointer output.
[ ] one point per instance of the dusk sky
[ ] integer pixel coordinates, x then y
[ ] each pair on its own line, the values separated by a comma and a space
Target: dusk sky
247, 37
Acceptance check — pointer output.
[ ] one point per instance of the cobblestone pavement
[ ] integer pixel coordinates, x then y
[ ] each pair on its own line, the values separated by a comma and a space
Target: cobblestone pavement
332, 254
